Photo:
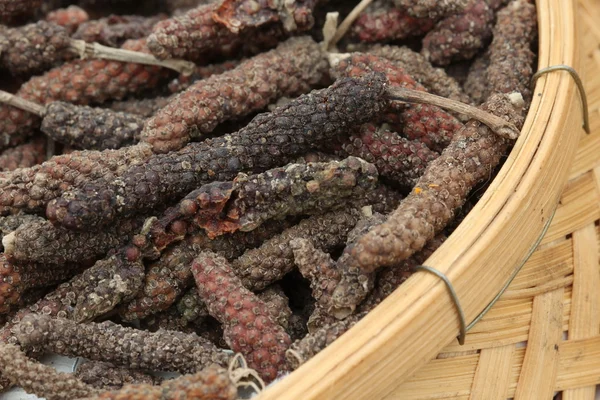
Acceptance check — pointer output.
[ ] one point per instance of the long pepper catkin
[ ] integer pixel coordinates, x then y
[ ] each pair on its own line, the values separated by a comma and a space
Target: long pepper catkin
10, 9
69, 18
183, 82
470, 158
248, 325
143, 107
431, 8
24, 156
30, 189
107, 376
116, 29
110, 342
476, 85
213, 382
39, 379
461, 36
269, 139
289, 70
383, 22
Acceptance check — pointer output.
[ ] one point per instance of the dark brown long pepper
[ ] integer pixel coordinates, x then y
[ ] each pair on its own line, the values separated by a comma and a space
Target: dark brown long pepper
10, 9
431, 8
116, 29
25, 155
269, 139
107, 376
289, 70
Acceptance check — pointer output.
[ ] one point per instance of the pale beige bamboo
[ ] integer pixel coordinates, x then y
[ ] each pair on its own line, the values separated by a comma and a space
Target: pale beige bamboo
492, 376
418, 319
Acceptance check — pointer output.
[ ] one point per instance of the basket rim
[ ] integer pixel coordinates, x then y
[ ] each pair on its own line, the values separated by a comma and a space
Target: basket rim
416, 321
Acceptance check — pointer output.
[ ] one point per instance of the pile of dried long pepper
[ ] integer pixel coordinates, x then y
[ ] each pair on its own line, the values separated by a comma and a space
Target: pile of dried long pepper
180, 178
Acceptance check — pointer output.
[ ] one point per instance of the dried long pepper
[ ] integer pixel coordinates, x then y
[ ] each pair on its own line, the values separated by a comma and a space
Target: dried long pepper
10, 9
24, 156
69, 18
107, 376
291, 69
142, 107
383, 22
248, 325
277, 304
461, 36
183, 82
129, 347
30, 189
214, 383
114, 30
433, 9
41, 380
269, 139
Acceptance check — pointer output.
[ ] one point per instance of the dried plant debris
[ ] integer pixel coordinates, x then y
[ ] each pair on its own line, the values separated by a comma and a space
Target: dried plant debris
269, 139
248, 325
30, 189
213, 383
107, 376
291, 69
128, 347
461, 36
114, 30
24, 156
41, 380
433, 9
237, 15
383, 22
90, 128
10, 9
69, 18
33, 48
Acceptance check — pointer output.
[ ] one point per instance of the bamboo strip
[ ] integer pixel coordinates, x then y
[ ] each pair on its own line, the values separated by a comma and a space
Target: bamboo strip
492, 376
552, 262
585, 316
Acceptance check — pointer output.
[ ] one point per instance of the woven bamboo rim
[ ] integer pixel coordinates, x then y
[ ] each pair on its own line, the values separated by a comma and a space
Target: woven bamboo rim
408, 329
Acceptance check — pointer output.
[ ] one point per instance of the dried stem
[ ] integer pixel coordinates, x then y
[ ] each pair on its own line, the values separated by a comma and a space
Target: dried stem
498, 125
348, 21
96, 50
21, 103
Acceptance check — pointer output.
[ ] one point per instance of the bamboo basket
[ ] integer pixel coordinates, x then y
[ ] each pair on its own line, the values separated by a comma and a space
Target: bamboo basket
392, 352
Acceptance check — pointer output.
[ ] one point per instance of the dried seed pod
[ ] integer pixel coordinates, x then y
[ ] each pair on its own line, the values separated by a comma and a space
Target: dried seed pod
116, 29
433, 9
304, 349
33, 48
41, 380
511, 57
106, 376
169, 320
143, 107
90, 128
16, 279
191, 307
213, 383
183, 82
470, 158
110, 342
429, 125
400, 160
269, 139
24, 156
277, 304
10, 9
40, 241
461, 36
30, 189
69, 18
383, 22
249, 328
291, 69
476, 84
195, 34
12, 222
237, 15
435, 80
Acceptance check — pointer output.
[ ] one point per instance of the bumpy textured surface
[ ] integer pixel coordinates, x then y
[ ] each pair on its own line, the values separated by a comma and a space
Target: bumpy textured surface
278, 305
183, 82
106, 376
461, 36
400, 160
269, 139
382, 22
24, 156
110, 342
470, 158
40, 241
291, 69
191, 307
114, 30
249, 327
33, 48
79, 82
237, 15
143, 107
69, 18
431, 8
10, 9
476, 85
41, 380
90, 128
435, 80
195, 34
212, 383
511, 57
30, 189
429, 125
